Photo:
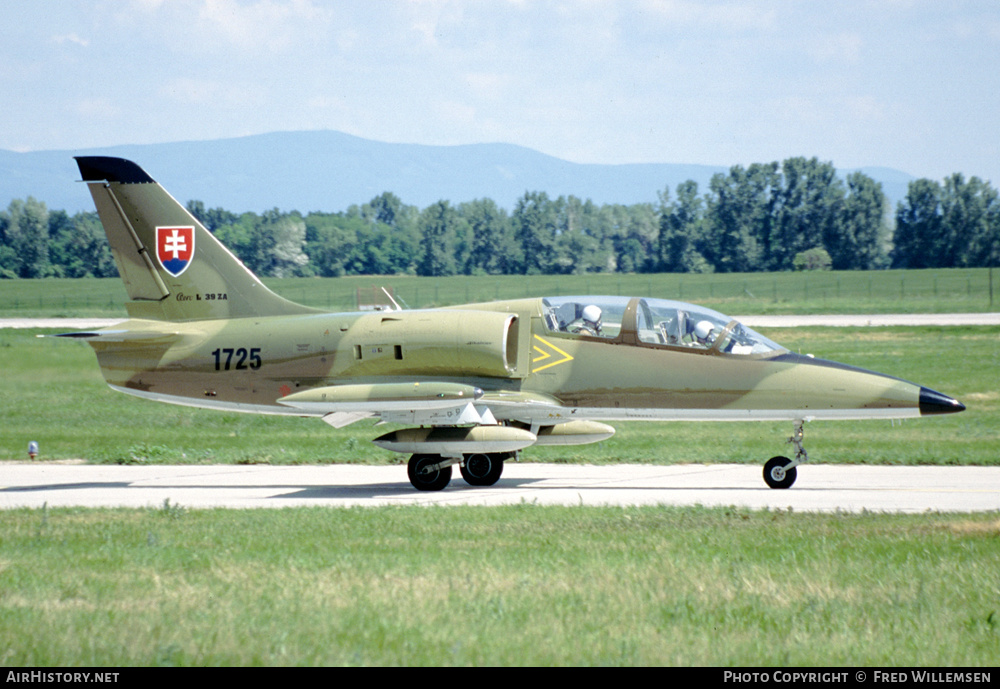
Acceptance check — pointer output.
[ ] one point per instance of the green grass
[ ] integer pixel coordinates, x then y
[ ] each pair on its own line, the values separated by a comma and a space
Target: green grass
517, 585
52, 392
885, 291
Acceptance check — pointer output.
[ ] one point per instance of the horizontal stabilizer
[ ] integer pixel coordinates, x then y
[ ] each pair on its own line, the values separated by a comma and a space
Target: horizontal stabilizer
150, 336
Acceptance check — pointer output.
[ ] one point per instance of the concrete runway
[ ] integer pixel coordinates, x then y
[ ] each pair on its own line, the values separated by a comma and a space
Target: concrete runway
820, 488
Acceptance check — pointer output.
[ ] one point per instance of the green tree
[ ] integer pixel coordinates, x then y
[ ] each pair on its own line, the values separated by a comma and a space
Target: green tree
534, 221
807, 211
438, 232
212, 218
25, 226
985, 249
492, 248
967, 208
581, 245
372, 253
9, 262
858, 242
812, 259
259, 246
682, 231
237, 238
918, 225
330, 238
79, 247
633, 233
288, 257
739, 218
386, 209
270, 245
641, 237
390, 242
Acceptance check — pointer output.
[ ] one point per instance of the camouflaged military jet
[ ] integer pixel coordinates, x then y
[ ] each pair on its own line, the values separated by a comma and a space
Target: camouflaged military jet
474, 384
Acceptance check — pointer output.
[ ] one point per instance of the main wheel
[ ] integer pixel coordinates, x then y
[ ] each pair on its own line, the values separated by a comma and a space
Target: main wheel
482, 469
776, 475
433, 480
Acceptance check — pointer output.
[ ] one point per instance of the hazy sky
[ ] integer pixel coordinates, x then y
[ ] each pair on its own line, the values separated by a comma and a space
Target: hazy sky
910, 84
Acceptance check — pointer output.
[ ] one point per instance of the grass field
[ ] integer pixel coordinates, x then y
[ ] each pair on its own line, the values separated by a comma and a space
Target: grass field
884, 291
519, 585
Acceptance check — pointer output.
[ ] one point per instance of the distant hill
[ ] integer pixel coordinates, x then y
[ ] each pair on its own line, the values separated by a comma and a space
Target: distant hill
329, 171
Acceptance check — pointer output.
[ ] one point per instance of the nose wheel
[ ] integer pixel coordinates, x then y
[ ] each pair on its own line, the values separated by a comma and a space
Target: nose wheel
779, 472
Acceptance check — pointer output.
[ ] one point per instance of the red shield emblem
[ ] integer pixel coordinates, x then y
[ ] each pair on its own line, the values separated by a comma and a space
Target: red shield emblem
175, 248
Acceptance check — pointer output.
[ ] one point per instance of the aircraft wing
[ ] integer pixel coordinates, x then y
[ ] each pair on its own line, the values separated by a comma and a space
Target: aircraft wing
339, 419
382, 397
150, 336
520, 404
429, 402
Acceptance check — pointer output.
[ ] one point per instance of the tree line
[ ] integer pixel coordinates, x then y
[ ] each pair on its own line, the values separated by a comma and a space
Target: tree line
794, 215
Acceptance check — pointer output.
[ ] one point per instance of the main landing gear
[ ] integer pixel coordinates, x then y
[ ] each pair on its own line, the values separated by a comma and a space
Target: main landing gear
433, 472
779, 472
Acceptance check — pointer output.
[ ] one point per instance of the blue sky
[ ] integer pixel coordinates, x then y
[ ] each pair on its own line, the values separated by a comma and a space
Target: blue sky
909, 84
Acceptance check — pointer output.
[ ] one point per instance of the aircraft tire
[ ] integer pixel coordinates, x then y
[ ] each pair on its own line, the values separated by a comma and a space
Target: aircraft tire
434, 481
482, 469
775, 474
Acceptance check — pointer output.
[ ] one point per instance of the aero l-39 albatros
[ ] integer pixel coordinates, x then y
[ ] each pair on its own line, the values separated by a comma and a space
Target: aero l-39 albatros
475, 384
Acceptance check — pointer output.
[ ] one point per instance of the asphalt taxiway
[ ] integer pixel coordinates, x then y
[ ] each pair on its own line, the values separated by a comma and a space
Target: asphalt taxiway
820, 487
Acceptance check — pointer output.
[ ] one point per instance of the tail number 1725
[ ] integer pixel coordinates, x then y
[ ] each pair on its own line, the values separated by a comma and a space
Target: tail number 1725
239, 359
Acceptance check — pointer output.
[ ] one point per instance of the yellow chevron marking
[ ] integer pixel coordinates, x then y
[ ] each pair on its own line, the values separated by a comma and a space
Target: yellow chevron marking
548, 354
544, 355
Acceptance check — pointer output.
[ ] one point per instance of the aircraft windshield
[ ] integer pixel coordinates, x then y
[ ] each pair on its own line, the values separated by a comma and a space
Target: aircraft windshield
654, 322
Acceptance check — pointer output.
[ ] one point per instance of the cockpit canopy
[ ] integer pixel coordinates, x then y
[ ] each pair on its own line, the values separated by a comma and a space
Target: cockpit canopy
645, 321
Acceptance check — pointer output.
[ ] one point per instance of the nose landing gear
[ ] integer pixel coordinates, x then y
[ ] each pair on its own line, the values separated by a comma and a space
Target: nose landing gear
779, 472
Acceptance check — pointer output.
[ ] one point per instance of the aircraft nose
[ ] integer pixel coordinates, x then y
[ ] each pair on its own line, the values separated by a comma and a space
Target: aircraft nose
932, 402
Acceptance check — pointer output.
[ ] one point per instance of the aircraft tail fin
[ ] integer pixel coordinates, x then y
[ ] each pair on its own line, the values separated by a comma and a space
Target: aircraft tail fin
173, 268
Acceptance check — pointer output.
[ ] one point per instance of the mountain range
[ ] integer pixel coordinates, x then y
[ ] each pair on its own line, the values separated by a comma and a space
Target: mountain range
329, 171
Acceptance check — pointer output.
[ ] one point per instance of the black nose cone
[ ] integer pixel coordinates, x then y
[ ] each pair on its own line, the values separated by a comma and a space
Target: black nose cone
932, 402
